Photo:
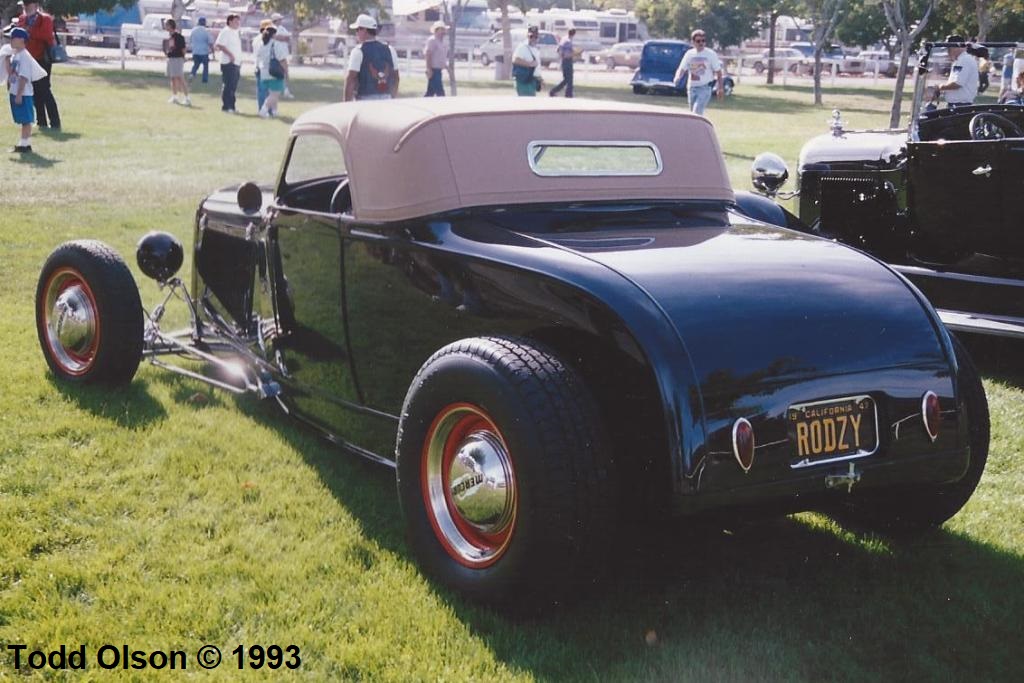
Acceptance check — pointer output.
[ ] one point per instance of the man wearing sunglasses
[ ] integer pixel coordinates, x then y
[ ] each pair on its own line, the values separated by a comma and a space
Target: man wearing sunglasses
703, 69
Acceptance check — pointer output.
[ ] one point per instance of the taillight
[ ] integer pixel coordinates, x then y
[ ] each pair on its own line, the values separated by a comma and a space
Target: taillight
743, 443
930, 414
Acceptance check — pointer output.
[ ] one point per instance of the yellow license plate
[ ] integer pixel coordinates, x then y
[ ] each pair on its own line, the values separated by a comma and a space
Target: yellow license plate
829, 430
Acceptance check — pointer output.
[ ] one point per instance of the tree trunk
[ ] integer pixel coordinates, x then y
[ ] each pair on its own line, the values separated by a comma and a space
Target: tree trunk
773, 17
506, 44
983, 14
901, 77
177, 10
817, 76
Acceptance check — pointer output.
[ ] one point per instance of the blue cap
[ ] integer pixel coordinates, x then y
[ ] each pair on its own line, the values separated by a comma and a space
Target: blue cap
202, 21
19, 32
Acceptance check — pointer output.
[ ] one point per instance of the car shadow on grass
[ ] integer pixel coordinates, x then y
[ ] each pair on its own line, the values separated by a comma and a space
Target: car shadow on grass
128, 407
780, 599
785, 598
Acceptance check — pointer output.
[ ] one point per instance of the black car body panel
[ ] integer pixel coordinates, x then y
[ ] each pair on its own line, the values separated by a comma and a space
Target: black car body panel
659, 307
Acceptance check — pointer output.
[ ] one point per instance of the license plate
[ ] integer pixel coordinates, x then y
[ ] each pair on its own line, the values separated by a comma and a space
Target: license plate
823, 431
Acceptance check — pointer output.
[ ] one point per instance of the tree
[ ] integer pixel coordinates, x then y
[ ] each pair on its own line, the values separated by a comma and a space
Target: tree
768, 14
725, 22
505, 68
64, 8
307, 13
825, 15
864, 24
899, 15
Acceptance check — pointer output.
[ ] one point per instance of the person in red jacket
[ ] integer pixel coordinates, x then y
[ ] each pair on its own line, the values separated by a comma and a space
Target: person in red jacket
41, 39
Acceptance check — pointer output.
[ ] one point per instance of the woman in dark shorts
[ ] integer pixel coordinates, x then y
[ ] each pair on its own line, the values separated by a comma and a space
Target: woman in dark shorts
174, 48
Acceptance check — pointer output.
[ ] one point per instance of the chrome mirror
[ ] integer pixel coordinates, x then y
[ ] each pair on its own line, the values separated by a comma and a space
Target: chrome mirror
768, 173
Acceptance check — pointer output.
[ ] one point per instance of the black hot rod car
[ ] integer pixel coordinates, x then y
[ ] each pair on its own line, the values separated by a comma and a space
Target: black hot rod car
942, 201
599, 328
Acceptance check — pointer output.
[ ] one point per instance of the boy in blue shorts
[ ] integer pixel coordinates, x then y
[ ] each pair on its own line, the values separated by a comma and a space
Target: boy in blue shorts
19, 69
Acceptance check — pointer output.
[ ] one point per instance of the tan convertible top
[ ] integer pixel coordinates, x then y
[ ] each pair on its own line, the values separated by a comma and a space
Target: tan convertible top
413, 157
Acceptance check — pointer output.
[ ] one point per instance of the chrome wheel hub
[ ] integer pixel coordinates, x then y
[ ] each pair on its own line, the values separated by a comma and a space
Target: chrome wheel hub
71, 322
479, 482
469, 485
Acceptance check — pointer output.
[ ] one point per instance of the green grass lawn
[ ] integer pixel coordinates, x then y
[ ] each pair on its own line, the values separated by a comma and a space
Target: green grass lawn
167, 515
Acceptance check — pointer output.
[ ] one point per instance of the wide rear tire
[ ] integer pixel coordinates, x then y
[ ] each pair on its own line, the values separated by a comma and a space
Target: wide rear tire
503, 473
913, 511
89, 316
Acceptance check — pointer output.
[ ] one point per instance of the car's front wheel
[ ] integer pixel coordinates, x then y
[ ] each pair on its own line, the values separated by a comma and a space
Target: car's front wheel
485, 59
503, 472
89, 315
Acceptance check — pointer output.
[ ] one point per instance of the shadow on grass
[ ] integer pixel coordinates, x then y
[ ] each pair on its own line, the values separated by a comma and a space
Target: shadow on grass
58, 135
788, 597
130, 407
319, 90
34, 158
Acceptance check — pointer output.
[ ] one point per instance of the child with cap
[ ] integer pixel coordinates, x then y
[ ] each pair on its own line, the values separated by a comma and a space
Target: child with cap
19, 68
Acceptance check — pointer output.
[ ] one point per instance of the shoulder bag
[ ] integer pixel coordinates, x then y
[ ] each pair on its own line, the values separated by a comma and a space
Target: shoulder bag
274, 68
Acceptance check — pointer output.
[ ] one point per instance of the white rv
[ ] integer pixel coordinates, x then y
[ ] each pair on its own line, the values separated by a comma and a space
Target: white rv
409, 26
559, 21
619, 26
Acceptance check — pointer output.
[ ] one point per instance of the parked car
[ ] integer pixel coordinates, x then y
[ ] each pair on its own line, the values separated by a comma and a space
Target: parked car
656, 73
880, 60
831, 56
151, 34
619, 54
492, 50
941, 201
785, 58
600, 328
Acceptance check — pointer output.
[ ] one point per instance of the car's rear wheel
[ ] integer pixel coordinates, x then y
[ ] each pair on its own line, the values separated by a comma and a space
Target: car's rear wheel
485, 59
609, 64
89, 316
639, 90
503, 472
129, 44
759, 68
911, 511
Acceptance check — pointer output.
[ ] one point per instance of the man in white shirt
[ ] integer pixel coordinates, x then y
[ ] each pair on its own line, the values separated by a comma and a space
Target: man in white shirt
372, 65
702, 68
229, 45
435, 53
962, 85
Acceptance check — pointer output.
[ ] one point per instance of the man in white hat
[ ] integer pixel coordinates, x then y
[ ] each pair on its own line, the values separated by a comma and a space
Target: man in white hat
435, 53
283, 35
372, 65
